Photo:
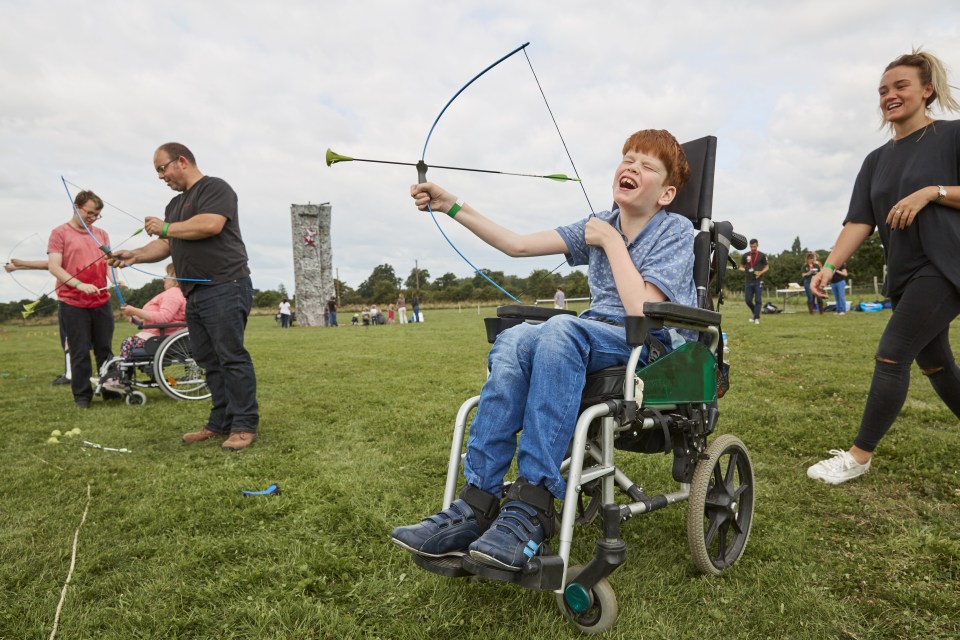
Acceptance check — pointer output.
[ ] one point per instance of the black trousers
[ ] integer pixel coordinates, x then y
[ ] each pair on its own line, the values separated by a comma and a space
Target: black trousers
86, 330
919, 329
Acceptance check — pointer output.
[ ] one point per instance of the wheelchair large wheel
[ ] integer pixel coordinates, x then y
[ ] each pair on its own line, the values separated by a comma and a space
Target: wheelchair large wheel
176, 372
720, 509
599, 606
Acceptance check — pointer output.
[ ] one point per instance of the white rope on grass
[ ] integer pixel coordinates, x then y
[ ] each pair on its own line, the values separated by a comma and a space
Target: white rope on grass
73, 563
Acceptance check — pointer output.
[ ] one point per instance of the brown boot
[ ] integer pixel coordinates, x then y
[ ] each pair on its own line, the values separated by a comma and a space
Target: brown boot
203, 434
238, 440
809, 307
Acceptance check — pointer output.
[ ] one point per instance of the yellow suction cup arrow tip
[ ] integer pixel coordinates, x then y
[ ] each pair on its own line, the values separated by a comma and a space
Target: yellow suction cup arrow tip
333, 157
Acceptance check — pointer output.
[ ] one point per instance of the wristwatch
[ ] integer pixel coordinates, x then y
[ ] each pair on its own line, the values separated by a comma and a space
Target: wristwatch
941, 192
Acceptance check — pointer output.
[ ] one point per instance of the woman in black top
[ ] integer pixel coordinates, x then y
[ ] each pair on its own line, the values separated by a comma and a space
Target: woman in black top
907, 190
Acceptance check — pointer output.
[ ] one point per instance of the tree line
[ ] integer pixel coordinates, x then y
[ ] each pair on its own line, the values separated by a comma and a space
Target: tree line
383, 285
785, 266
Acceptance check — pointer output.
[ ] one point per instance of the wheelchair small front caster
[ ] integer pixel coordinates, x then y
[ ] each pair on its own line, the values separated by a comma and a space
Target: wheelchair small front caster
592, 611
720, 509
135, 398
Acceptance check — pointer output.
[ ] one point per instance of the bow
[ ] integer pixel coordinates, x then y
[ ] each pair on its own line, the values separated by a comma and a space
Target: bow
106, 250
422, 165
10, 258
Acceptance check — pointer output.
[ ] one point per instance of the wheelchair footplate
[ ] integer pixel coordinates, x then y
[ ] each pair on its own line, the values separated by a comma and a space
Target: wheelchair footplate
447, 566
542, 573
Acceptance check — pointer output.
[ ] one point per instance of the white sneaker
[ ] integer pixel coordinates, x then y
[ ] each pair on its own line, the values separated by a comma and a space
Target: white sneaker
757, 321
838, 469
750, 320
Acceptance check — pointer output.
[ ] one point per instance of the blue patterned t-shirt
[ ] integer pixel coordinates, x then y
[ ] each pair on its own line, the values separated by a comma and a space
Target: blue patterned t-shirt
662, 253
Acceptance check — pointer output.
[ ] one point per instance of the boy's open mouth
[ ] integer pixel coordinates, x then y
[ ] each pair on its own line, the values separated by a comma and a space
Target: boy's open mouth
627, 183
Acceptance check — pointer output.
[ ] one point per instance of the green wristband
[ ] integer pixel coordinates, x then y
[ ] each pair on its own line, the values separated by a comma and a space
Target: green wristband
827, 265
455, 208
163, 232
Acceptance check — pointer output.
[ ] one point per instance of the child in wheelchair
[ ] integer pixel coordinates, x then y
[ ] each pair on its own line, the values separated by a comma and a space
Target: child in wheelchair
637, 253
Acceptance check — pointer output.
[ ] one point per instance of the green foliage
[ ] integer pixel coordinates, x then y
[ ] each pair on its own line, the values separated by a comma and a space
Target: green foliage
863, 266
382, 284
268, 299
796, 249
418, 279
355, 428
868, 262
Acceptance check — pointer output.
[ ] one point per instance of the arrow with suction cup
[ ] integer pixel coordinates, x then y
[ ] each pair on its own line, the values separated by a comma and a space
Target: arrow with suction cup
334, 157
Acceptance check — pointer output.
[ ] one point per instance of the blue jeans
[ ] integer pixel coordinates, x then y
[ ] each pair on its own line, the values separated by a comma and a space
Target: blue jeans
217, 317
840, 295
333, 319
753, 293
537, 373
811, 299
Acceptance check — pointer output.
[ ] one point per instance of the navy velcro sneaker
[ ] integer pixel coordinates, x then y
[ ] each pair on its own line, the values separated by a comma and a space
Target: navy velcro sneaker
449, 532
513, 539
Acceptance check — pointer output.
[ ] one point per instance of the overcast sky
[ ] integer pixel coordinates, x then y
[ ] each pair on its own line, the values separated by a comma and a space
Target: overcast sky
260, 90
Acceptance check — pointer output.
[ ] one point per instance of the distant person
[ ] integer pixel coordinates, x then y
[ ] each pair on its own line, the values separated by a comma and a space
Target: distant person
390, 314
201, 232
810, 268
906, 190
838, 285
332, 311
16, 264
74, 258
754, 265
375, 317
559, 300
415, 301
402, 309
285, 314
365, 316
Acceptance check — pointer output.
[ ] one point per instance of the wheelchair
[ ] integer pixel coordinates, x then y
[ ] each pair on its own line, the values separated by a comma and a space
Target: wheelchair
670, 405
165, 361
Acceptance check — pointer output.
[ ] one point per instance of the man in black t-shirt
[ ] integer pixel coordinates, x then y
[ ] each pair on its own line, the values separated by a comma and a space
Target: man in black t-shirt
201, 232
754, 265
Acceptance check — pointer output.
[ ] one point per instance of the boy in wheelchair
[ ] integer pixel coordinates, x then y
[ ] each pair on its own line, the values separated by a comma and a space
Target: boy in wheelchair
637, 253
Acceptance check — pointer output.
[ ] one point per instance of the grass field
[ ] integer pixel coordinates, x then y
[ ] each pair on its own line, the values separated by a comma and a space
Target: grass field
355, 429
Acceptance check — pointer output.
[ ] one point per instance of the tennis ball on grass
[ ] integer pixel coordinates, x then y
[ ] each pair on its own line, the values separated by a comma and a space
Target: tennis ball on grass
55, 433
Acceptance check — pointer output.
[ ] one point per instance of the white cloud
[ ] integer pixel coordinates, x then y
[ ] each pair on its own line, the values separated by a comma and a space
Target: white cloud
260, 91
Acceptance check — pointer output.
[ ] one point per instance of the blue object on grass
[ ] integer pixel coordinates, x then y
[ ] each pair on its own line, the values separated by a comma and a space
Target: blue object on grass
871, 306
272, 490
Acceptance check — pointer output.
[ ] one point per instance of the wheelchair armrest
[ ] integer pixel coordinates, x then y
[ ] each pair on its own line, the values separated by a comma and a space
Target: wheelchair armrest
513, 314
163, 326
657, 314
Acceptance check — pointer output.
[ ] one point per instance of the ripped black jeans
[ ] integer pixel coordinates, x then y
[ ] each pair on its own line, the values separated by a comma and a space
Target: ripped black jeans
918, 330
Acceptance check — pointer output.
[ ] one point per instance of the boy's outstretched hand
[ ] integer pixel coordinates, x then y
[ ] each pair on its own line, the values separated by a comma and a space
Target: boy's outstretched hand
427, 193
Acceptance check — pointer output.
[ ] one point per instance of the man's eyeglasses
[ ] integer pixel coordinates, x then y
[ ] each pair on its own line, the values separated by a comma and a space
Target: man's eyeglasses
162, 169
96, 215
